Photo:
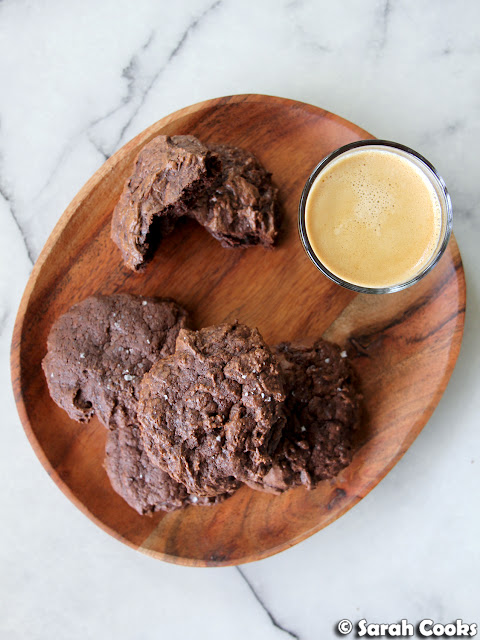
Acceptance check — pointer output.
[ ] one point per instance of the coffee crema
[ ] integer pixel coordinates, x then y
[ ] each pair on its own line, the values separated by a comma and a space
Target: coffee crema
373, 218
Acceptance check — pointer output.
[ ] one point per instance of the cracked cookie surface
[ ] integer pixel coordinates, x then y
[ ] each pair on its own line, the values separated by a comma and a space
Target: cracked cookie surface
101, 347
143, 486
241, 209
225, 188
212, 413
322, 408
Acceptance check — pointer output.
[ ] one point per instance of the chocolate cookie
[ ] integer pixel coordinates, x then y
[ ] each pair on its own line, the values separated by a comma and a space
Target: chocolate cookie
170, 174
322, 408
241, 208
99, 350
212, 414
143, 486
223, 187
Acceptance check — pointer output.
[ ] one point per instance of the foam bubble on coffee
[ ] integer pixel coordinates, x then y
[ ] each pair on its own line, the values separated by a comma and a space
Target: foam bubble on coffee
373, 218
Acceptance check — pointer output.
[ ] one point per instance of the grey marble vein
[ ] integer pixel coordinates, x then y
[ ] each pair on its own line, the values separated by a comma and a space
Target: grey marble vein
273, 620
306, 40
132, 95
386, 9
98, 147
10, 201
310, 43
192, 26
128, 73
59, 162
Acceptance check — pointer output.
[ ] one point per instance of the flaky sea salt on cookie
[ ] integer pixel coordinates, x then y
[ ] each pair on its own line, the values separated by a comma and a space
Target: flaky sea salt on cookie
99, 350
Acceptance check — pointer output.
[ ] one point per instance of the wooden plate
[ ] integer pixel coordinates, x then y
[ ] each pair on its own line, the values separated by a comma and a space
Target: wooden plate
404, 345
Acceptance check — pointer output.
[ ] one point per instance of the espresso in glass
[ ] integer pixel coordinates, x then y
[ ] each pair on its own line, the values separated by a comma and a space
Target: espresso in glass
375, 216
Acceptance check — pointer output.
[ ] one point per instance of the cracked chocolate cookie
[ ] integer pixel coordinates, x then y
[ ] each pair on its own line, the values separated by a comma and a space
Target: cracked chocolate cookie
224, 188
143, 486
170, 174
99, 350
241, 209
212, 413
322, 408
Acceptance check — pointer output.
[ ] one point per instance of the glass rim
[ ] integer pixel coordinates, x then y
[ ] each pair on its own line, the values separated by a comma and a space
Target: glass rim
430, 171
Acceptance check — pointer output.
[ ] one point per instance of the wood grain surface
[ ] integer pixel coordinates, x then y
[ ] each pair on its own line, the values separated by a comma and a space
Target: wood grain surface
404, 345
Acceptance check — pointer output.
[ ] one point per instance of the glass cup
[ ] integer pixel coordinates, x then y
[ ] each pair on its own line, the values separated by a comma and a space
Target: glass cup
428, 171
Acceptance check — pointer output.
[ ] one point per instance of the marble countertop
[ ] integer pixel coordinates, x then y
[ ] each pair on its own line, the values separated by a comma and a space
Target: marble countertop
79, 79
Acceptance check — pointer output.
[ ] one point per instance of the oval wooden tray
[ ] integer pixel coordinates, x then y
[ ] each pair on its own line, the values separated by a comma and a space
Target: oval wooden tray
404, 345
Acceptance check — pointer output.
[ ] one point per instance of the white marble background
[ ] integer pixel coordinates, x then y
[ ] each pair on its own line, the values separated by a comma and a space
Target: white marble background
80, 78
